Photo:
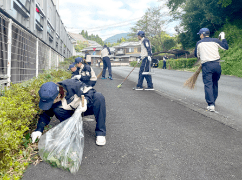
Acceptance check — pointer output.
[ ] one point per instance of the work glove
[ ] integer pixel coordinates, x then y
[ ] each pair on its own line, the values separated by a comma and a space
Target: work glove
221, 36
149, 58
35, 135
84, 108
78, 77
138, 61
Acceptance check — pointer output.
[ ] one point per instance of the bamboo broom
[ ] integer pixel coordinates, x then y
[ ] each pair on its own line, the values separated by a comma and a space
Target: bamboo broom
100, 74
191, 82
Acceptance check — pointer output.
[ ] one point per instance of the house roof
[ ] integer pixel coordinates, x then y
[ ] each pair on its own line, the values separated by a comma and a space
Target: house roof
77, 37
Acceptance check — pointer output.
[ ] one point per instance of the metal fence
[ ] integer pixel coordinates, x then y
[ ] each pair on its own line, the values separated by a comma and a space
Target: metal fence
23, 56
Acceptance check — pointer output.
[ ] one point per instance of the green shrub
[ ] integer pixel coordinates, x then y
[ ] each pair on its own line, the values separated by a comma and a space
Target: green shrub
133, 63
18, 117
179, 63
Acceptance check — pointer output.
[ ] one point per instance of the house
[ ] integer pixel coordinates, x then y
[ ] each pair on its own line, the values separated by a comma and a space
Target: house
127, 51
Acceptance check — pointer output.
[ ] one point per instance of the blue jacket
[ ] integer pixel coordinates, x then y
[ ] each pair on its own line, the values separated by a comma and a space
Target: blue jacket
73, 87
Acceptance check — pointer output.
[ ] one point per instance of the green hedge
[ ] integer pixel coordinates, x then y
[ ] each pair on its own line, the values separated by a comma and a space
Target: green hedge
18, 117
133, 63
179, 63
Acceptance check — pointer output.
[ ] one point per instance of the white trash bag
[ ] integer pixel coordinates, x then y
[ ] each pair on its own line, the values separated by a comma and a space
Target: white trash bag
62, 146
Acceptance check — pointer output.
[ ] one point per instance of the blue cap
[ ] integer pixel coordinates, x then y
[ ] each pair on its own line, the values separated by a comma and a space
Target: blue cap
71, 66
48, 92
204, 31
78, 60
141, 33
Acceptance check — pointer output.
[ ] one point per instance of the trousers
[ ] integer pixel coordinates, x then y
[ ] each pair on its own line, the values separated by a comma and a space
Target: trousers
211, 72
106, 64
144, 68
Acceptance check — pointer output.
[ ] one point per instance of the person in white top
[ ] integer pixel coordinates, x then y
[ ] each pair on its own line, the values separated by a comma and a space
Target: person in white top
106, 62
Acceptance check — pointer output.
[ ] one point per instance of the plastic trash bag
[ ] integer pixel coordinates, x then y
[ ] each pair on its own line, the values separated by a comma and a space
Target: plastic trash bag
62, 146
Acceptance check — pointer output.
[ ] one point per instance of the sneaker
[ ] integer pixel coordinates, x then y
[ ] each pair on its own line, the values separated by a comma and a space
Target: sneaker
101, 140
104, 78
138, 88
211, 108
110, 78
149, 89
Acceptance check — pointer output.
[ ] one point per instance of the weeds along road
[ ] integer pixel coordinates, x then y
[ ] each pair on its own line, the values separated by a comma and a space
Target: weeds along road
170, 82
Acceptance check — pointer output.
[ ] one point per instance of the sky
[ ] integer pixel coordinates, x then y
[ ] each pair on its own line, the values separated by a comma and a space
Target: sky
106, 17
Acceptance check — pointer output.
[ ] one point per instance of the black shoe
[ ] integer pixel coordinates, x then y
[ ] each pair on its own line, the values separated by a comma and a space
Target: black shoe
138, 88
149, 89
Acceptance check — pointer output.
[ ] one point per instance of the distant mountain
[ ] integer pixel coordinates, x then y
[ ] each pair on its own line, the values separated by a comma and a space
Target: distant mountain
116, 37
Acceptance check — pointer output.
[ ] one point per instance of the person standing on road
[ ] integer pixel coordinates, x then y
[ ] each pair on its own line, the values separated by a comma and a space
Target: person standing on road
88, 58
62, 99
146, 62
207, 51
106, 62
85, 72
164, 62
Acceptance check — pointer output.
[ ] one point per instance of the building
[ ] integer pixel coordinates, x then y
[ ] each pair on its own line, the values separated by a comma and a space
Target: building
40, 17
127, 51
34, 39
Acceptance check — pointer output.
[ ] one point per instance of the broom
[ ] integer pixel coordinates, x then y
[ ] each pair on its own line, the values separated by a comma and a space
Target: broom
100, 74
119, 86
190, 83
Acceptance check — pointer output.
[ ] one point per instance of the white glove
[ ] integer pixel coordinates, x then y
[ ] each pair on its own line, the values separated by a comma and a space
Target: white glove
222, 35
82, 109
149, 58
138, 61
78, 77
35, 135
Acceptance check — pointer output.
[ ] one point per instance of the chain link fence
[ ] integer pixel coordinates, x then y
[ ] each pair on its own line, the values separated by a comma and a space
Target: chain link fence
23, 56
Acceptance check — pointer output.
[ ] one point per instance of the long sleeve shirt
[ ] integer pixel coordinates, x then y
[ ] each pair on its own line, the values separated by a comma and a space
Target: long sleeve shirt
207, 49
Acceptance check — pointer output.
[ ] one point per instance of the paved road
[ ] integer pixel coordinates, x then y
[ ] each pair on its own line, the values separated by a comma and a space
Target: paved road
151, 136
170, 82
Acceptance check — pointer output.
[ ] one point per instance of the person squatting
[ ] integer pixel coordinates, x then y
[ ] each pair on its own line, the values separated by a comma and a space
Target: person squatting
62, 99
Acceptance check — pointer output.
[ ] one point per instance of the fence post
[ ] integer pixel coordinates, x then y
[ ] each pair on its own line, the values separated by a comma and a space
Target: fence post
9, 52
50, 59
37, 57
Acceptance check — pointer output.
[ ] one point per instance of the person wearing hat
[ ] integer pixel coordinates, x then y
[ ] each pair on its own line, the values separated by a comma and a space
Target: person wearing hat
85, 72
207, 50
88, 58
62, 99
106, 62
145, 64
73, 69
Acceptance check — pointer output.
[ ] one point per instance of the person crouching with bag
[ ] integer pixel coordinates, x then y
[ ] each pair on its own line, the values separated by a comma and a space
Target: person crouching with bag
62, 99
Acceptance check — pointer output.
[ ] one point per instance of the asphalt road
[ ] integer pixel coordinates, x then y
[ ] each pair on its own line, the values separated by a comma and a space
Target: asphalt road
170, 82
152, 136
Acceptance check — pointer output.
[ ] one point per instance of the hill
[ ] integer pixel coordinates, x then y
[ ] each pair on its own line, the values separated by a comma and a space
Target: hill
116, 37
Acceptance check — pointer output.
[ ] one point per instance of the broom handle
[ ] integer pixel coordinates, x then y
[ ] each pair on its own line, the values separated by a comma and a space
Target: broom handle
130, 72
82, 96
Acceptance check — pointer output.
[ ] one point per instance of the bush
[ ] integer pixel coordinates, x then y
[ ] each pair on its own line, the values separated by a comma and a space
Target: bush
18, 117
133, 63
179, 63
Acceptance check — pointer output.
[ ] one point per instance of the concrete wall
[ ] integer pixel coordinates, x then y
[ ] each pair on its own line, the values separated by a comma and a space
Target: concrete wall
53, 31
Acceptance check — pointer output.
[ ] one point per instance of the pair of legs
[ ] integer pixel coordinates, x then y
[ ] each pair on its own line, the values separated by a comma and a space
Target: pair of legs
164, 65
106, 64
144, 68
98, 109
211, 72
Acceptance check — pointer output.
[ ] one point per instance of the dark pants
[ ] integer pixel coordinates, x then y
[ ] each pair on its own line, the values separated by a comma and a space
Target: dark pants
211, 72
90, 83
98, 108
106, 64
164, 65
144, 68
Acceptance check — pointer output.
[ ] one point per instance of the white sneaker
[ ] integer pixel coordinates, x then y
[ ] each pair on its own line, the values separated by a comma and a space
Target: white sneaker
211, 108
101, 140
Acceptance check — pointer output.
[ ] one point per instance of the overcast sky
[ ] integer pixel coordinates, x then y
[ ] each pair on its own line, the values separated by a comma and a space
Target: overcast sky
105, 17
